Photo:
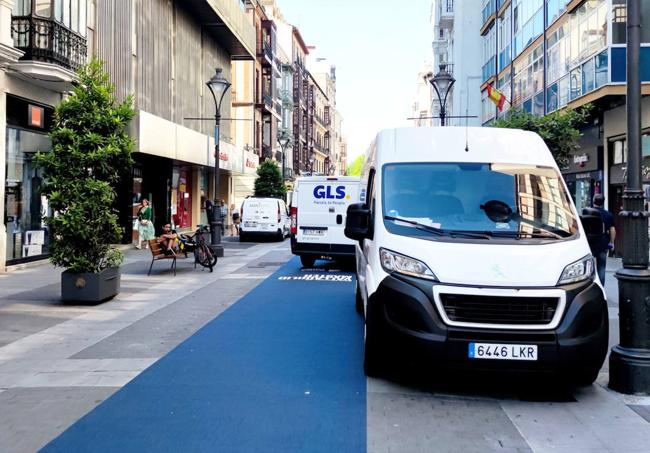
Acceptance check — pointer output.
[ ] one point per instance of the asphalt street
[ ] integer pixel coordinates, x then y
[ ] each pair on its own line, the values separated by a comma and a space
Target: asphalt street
262, 355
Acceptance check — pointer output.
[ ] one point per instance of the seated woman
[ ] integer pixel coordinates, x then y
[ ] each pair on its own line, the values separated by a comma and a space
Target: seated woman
168, 240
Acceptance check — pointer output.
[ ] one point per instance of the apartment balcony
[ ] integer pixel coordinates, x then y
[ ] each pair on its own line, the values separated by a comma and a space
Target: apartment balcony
446, 14
48, 41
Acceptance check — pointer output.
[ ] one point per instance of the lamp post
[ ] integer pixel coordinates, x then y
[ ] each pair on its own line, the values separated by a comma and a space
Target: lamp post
284, 140
218, 86
442, 83
629, 361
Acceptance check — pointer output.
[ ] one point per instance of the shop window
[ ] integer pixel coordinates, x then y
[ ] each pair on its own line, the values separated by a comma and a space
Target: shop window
25, 207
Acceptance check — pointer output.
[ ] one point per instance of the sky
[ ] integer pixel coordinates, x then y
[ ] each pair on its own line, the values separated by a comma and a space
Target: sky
378, 47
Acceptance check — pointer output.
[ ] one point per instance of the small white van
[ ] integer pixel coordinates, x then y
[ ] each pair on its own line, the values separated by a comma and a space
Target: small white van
318, 209
470, 253
264, 217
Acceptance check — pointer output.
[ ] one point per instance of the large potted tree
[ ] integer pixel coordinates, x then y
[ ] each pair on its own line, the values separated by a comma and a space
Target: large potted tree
91, 151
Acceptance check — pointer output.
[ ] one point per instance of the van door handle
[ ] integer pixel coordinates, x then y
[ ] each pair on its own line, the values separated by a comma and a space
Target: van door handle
339, 219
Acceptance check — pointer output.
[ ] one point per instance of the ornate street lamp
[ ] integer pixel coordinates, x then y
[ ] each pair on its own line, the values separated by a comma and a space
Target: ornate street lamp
629, 361
442, 83
284, 140
218, 86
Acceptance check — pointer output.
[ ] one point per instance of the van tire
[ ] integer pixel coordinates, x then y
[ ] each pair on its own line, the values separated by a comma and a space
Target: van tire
242, 237
279, 236
358, 301
307, 261
374, 356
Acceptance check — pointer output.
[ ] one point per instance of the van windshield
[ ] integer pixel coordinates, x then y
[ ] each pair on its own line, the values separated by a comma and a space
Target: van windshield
476, 200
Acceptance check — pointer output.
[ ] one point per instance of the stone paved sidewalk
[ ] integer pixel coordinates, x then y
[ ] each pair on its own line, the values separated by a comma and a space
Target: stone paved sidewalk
58, 361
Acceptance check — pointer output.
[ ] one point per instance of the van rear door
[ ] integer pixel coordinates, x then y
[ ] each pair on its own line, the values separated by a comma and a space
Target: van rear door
322, 207
260, 213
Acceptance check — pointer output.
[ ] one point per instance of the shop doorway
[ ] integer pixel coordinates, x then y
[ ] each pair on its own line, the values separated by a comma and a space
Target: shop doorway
182, 198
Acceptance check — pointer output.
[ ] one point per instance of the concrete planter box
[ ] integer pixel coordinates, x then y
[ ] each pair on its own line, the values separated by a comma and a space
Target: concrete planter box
90, 288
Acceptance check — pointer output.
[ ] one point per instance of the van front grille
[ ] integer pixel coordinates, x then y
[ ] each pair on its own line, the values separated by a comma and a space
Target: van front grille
499, 309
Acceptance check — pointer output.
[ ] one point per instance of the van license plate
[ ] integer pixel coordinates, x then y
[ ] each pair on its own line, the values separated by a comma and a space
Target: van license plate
250, 224
307, 232
496, 351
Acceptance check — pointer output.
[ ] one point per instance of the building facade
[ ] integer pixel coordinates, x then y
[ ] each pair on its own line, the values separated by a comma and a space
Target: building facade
549, 55
457, 47
41, 45
169, 51
421, 114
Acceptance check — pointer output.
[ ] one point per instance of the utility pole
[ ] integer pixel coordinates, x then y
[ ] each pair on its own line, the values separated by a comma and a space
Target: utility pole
629, 361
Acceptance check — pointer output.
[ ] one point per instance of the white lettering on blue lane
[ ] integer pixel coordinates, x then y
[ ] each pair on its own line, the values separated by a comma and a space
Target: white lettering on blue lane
317, 278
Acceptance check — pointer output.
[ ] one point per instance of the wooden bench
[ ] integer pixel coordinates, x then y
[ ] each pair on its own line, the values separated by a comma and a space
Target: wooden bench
157, 254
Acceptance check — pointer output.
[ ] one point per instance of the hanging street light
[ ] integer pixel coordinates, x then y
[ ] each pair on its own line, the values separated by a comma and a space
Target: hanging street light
218, 86
442, 83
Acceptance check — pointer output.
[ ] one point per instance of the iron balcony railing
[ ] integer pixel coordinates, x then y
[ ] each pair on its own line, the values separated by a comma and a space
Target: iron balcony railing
48, 41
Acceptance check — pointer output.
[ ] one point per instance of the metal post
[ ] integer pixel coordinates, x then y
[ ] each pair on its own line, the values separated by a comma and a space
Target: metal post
443, 114
629, 361
215, 222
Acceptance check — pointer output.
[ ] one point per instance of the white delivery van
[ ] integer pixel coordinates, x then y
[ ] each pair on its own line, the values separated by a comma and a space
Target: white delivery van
318, 209
474, 258
264, 217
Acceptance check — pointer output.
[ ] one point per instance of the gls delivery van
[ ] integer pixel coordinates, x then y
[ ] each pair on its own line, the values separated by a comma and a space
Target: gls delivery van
318, 210
474, 258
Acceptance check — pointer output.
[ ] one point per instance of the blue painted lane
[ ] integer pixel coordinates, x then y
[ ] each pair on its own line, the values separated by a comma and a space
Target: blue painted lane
278, 371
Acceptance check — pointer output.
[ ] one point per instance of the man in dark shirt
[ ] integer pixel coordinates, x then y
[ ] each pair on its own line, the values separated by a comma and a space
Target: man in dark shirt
607, 242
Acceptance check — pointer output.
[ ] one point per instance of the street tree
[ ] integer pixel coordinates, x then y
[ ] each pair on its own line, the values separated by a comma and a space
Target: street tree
269, 181
559, 130
91, 151
354, 169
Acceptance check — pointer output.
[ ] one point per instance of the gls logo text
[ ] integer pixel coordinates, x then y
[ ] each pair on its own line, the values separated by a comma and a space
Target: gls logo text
321, 192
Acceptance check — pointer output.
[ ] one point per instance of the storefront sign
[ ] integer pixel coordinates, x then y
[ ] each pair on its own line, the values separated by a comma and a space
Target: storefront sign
618, 173
36, 116
581, 159
251, 162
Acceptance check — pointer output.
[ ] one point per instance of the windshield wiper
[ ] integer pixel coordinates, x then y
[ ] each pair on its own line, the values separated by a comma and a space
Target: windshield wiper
523, 234
440, 231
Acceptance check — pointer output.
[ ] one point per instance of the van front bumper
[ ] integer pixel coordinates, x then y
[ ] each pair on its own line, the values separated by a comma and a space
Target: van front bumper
406, 319
319, 250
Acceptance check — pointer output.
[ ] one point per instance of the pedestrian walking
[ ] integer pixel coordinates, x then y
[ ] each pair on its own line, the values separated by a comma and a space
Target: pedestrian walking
236, 219
600, 249
224, 216
146, 231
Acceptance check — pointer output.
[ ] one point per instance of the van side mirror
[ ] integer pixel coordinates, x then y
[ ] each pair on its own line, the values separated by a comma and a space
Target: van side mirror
357, 223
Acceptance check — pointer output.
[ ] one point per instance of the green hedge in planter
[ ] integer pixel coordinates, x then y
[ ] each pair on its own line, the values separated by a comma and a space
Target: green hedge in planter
91, 151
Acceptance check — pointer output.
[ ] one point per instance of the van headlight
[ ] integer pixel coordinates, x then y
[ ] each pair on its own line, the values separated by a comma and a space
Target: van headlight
582, 269
394, 262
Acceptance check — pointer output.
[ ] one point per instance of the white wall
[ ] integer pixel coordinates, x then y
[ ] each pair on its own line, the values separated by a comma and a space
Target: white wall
467, 62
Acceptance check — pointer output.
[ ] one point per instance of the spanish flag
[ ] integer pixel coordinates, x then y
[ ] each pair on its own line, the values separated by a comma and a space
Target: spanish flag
496, 96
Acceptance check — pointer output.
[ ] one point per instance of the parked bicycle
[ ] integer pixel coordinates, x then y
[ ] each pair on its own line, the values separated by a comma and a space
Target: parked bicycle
196, 244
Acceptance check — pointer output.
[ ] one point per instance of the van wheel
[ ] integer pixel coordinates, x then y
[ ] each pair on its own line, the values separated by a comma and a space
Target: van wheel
279, 236
373, 359
358, 302
242, 237
307, 261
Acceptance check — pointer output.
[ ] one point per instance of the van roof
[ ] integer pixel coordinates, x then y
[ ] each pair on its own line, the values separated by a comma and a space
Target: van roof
448, 144
327, 178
